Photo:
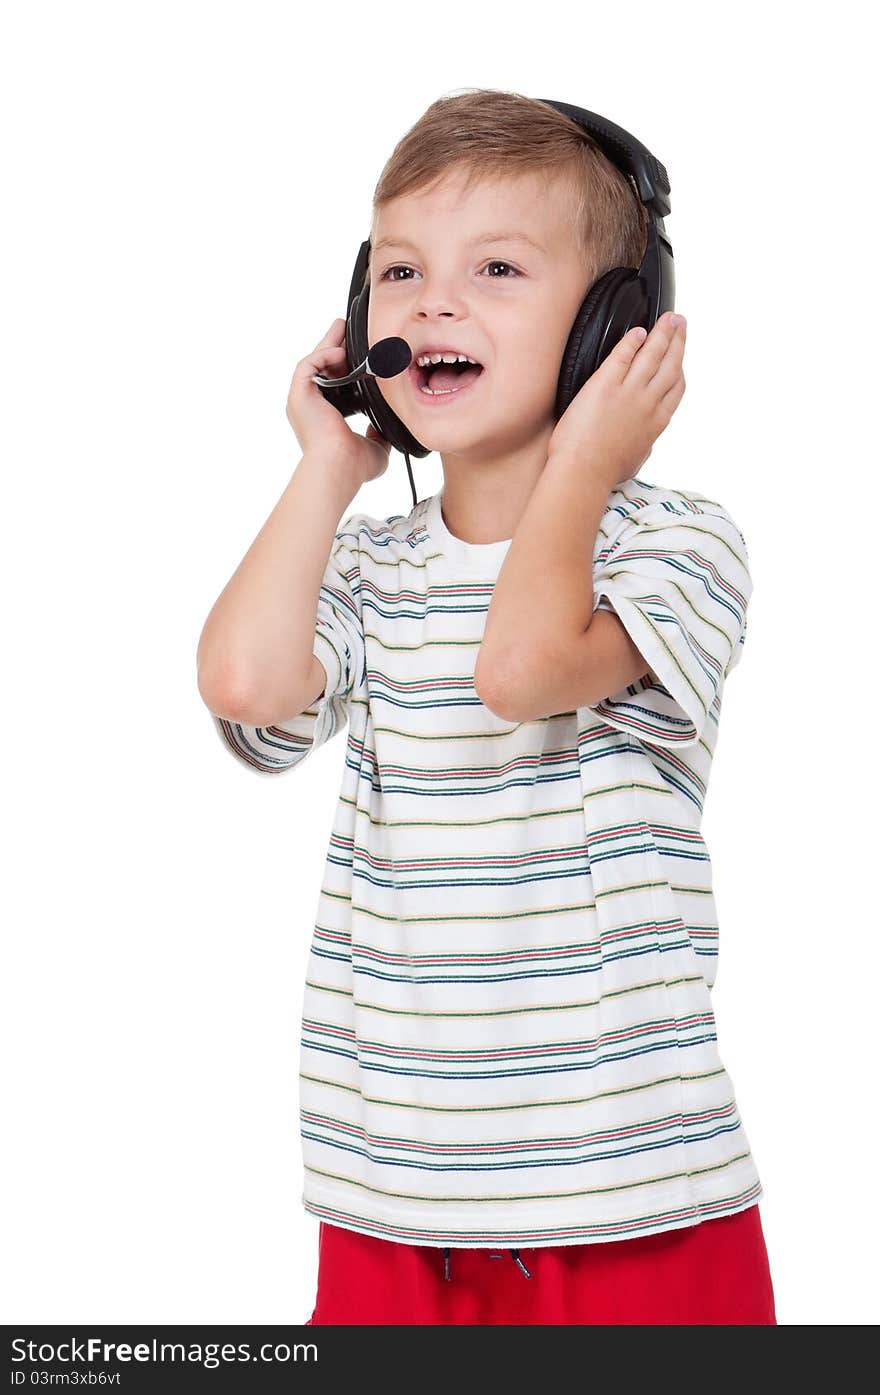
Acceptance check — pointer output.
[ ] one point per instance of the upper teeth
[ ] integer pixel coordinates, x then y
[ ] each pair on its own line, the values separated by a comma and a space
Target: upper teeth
424, 359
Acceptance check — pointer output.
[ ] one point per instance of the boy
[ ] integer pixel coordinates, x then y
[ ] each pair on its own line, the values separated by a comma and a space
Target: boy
508, 1047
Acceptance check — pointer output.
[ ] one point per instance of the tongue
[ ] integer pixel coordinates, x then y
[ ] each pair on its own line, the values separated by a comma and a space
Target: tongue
443, 378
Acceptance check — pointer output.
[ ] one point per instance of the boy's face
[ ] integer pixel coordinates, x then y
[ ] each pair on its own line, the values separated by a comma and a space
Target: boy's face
442, 280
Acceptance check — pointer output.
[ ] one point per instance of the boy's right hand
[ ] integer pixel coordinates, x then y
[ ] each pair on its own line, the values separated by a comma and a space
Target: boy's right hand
321, 430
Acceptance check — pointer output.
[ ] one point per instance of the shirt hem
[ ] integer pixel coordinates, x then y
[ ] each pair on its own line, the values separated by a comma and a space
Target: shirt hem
675, 1210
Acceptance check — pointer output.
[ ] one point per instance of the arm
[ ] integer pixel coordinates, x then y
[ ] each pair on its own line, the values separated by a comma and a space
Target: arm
541, 651
544, 649
255, 655
597, 662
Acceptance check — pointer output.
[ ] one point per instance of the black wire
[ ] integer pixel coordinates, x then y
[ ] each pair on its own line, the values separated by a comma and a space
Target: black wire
411, 481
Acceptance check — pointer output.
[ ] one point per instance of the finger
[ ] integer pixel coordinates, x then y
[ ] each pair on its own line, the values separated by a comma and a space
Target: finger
654, 349
332, 335
670, 400
618, 362
334, 338
329, 356
669, 369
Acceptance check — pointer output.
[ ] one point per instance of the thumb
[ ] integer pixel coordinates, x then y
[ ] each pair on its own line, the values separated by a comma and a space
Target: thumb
374, 435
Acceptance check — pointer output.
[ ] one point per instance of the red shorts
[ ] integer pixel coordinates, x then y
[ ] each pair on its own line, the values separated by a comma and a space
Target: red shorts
714, 1272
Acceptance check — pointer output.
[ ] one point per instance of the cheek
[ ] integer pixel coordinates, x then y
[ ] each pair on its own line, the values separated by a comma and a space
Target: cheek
378, 326
530, 376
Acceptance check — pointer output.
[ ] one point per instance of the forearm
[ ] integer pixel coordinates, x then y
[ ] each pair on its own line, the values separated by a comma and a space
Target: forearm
259, 636
544, 594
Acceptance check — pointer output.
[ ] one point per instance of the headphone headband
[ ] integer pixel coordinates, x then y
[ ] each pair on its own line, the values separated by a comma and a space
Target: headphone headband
627, 153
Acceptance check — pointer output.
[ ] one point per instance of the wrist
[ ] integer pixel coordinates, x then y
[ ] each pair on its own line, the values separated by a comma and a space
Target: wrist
594, 472
334, 475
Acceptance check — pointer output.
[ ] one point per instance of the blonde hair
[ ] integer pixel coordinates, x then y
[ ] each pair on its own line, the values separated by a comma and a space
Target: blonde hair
488, 133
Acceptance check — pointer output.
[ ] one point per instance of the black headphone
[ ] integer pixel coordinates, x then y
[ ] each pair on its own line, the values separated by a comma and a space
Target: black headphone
619, 300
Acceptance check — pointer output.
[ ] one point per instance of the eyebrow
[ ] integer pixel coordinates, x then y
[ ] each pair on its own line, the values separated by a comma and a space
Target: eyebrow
474, 242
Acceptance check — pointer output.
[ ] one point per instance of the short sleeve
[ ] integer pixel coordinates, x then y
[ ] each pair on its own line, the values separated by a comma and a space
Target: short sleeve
339, 644
677, 577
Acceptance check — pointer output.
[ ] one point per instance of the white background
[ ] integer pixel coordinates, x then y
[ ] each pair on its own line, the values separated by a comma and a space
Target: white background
186, 186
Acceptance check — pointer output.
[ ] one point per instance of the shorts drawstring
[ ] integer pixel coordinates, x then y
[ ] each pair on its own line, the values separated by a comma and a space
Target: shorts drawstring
513, 1253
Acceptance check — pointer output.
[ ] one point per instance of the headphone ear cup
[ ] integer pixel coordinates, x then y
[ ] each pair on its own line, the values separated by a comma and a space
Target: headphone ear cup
612, 305
369, 397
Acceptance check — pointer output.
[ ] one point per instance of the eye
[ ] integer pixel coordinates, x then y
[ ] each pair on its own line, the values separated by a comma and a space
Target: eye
387, 276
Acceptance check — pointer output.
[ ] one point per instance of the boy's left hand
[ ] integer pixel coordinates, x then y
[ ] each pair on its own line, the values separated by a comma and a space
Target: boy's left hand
612, 423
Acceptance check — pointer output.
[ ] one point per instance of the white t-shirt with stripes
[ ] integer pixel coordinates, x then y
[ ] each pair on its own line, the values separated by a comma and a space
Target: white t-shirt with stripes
508, 1036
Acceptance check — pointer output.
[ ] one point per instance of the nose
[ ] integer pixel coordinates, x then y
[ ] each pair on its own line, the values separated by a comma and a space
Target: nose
438, 297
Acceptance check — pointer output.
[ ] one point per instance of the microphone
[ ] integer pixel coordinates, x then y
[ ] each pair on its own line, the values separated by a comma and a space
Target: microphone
349, 394
385, 359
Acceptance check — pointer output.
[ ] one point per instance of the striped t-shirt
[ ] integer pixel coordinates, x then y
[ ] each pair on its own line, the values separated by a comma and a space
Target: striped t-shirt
508, 1036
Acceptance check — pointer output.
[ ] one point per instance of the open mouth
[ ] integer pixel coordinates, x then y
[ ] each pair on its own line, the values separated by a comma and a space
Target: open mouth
440, 381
